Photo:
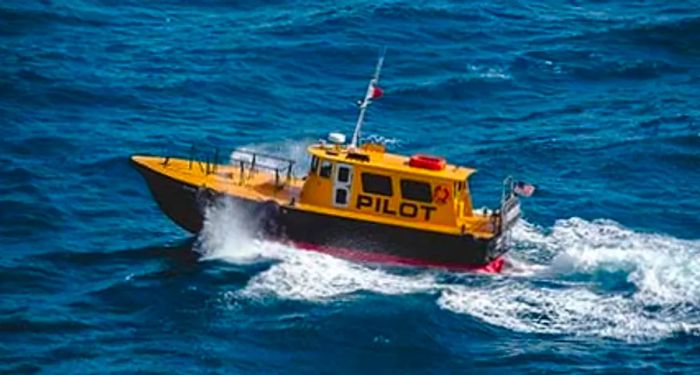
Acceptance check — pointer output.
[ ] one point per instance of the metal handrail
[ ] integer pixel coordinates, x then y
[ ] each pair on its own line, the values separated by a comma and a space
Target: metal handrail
208, 163
264, 155
509, 201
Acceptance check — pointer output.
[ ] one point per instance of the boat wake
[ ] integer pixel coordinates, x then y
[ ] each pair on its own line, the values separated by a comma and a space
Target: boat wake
592, 278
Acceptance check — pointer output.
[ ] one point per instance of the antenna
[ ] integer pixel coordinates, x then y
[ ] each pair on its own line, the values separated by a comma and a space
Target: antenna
369, 95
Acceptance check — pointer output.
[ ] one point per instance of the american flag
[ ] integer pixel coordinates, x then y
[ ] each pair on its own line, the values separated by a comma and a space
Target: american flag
523, 189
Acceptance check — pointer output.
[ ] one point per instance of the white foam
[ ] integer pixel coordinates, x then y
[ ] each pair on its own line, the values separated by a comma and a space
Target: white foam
572, 309
227, 234
664, 270
309, 276
518, 265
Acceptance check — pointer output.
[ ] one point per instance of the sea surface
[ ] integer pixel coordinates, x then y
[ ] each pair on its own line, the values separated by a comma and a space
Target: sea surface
594, 102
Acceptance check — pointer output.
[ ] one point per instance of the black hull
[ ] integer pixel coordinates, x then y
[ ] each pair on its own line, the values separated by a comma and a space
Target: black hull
182, 203
404, 243
185, 205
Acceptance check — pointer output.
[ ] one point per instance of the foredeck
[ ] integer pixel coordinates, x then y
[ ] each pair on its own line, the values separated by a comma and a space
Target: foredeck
225, 178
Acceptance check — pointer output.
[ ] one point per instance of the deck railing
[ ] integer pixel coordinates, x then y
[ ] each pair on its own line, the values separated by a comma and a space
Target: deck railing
509, 211
251, 161
208, 160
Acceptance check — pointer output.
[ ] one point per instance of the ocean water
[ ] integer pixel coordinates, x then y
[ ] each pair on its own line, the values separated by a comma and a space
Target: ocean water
595, 102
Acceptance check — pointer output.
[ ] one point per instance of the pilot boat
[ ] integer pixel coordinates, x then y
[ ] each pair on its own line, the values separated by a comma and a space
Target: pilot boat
357, 200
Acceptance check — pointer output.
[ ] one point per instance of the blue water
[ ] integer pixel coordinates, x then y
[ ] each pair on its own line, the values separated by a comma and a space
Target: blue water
596, 103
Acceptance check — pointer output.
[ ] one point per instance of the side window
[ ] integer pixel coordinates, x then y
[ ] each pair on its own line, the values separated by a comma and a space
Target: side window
343, 174
457, 189
326, 169
341, 197
377, 184
314, 165
416, 191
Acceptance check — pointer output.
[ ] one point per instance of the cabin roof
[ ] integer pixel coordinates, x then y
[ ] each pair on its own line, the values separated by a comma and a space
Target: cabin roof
387, 161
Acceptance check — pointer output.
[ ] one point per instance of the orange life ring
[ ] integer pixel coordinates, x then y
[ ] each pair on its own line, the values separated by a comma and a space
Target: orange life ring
441, 194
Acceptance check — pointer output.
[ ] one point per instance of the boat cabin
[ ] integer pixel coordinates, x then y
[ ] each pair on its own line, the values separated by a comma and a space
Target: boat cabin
366, 180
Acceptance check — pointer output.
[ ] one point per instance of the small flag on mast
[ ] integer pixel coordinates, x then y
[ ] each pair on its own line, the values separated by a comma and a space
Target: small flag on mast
523, 189
377, 92
373, 92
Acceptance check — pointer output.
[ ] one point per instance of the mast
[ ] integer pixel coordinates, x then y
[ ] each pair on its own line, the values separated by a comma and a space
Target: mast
369, 95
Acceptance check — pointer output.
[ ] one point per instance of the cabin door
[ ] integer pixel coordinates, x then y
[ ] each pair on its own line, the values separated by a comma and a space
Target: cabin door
342, 183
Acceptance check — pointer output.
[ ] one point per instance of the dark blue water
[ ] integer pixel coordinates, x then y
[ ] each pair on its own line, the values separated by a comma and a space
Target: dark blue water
594, 102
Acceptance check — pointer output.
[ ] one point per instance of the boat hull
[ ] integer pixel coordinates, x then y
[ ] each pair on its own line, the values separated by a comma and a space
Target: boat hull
354, 239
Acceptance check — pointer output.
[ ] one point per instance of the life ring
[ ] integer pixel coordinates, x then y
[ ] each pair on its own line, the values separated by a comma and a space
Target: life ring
441, 194
434, 163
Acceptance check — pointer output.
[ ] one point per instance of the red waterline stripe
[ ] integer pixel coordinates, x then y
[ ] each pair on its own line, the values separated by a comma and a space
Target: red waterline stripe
361, 256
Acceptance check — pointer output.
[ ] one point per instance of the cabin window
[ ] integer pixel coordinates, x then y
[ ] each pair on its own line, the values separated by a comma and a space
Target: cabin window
341, 197
377, 184
343, 174
314, 165
326, 169
416, 191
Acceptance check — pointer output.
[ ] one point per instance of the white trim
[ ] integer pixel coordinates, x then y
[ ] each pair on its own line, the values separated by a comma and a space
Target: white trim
337, 185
